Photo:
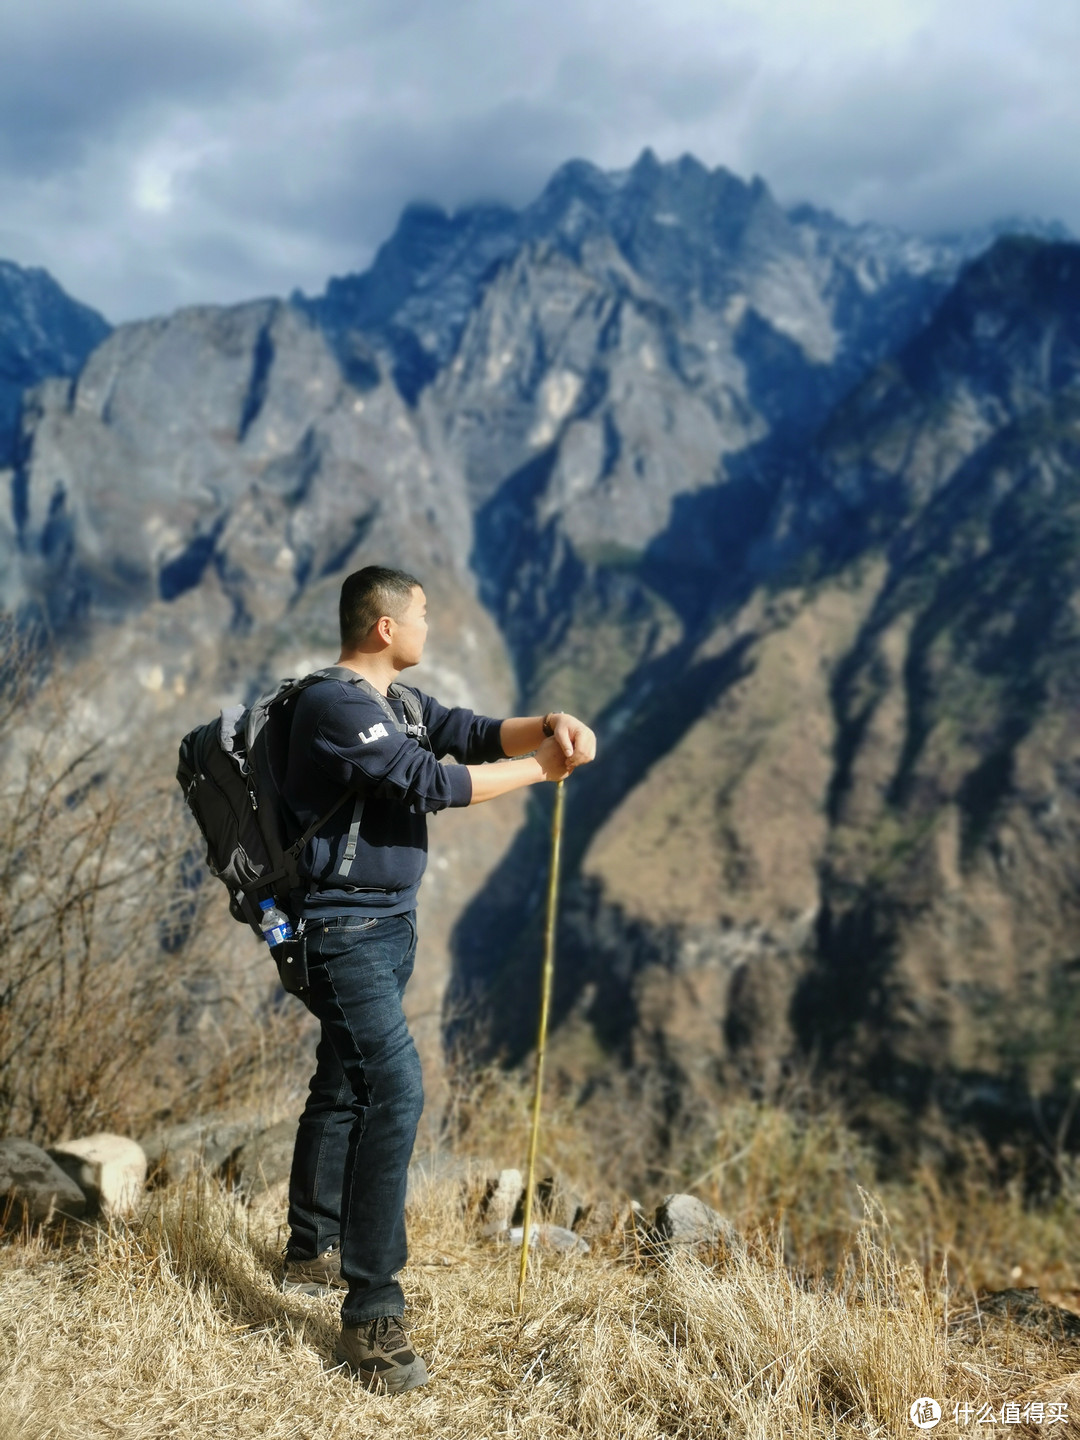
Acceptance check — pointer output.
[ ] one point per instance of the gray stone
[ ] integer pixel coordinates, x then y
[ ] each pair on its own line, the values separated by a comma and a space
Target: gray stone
555, 1201
110, 1170
264, 1161
33, 1187
173, 1153
686, 1220
439, 1167
552, 1237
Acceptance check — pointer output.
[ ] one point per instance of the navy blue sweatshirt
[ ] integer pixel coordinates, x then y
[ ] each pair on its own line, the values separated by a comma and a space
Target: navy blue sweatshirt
341, 740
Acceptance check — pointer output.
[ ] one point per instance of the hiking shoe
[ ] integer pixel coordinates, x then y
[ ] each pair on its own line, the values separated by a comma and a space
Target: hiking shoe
379, 1354
321, 1276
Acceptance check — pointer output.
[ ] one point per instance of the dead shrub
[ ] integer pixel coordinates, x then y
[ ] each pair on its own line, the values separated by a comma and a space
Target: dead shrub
126, 991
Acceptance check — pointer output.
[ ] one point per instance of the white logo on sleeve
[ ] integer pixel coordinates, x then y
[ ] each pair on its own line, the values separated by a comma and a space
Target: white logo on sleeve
375, 733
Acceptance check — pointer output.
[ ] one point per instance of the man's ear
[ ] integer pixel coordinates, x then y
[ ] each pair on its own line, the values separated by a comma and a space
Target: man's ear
382, 626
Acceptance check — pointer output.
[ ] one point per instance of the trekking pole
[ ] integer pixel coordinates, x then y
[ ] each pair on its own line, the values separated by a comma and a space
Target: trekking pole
541, 1040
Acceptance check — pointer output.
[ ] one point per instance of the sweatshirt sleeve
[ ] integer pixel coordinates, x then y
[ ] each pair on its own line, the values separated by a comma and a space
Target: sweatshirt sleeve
357, 748
471, 739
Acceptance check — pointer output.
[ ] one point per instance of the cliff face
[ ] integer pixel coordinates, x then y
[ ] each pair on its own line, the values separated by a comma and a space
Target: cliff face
783, 505
43, 332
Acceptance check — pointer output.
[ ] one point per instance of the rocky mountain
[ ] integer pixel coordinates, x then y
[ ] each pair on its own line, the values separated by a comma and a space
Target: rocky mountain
837, 819
43, 332
953, 803
780, 503
603, 356
701, 243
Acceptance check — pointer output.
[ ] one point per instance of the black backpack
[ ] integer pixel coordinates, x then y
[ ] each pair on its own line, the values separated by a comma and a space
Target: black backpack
231, 771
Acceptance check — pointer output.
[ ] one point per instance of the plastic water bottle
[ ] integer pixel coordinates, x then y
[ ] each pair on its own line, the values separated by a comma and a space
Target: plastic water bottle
274, 924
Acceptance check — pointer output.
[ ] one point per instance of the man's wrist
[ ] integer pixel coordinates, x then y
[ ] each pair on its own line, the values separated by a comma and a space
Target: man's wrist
546, 725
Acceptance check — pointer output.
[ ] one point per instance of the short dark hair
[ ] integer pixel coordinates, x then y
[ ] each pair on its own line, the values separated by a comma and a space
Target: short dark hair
369, 594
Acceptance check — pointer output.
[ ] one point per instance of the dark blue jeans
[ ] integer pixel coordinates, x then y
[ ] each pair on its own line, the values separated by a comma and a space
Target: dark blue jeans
357, 1131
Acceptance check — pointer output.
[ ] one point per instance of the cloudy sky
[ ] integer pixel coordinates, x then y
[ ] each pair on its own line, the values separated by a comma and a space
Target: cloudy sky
162, 152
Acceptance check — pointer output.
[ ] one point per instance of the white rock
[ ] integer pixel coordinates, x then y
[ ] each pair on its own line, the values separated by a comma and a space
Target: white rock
502, 1198
109, 1169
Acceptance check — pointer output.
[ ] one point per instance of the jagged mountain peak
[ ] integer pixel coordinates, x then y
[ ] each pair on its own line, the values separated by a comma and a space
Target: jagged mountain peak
43, 331
1012, 312
999, 353
707, 245
651, 192
415, 299
425, 230
582, 179
693, 237
427, 242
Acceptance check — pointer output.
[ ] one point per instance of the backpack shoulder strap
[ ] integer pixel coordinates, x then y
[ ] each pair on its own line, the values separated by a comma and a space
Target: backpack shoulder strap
350, 677
414, 712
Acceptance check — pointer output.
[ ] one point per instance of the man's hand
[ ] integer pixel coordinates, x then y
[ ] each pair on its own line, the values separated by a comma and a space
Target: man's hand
572, 744
553, 759
575, 739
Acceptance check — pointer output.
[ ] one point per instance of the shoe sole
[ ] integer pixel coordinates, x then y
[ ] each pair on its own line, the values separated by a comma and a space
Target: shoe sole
404, 1377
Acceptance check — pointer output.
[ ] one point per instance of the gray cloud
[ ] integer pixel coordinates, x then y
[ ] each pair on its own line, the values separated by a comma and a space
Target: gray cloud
71, 74
159, 155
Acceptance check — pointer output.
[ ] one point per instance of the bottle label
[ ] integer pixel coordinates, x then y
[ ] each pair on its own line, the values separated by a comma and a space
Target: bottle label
278, 934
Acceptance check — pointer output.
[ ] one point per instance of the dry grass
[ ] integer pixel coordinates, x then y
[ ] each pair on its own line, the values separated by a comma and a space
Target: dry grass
173, 1325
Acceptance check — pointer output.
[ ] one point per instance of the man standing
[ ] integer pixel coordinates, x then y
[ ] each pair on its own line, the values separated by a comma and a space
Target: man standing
362, 873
